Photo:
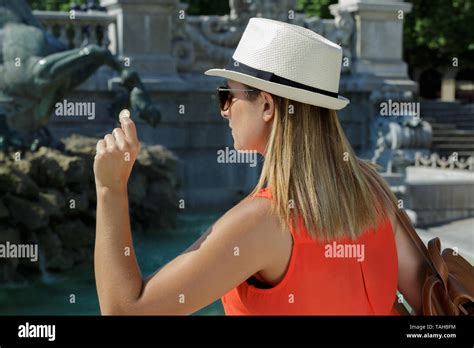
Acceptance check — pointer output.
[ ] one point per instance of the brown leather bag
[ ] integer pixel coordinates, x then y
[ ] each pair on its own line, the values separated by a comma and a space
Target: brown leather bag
449, 281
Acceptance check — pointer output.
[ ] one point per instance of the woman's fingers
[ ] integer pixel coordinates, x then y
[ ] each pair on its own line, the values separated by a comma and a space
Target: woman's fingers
110, 141
129, 129
100, 148
119, 136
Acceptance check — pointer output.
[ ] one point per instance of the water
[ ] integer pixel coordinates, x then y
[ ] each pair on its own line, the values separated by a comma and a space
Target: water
51, 294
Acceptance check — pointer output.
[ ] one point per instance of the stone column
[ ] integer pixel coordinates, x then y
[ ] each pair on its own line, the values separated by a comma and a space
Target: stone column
448, 85
144, 34
378, 40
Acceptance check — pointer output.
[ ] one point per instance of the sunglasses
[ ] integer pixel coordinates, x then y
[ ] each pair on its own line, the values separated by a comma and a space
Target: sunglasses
225, 96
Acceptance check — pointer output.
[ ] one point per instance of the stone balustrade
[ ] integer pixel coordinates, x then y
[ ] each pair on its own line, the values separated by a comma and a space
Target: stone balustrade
75, 28
436, 161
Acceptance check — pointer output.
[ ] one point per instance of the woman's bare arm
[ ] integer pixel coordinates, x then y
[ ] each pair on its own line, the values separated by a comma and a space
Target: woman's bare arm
232, 250
411, 266
237, 246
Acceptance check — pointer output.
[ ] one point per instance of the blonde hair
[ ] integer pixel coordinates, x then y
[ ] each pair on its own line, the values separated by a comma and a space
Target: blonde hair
313, 173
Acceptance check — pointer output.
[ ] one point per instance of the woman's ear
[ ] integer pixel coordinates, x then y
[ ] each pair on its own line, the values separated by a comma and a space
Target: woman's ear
268, 106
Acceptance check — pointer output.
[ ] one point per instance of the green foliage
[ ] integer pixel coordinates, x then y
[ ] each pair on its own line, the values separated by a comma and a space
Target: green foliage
53, 5
436, 31
318, 8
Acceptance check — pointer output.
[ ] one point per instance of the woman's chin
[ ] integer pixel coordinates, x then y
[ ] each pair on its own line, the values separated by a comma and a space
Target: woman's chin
239, 147
236, 145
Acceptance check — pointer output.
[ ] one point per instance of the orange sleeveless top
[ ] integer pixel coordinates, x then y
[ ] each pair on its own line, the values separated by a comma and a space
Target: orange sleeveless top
340, 278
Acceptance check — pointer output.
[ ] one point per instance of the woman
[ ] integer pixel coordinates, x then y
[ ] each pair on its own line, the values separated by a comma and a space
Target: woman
316, 236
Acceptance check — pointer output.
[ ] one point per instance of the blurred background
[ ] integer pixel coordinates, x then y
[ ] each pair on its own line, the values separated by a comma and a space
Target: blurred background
408, 70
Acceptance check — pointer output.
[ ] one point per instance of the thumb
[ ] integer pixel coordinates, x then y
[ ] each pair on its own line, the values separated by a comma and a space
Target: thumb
128, 126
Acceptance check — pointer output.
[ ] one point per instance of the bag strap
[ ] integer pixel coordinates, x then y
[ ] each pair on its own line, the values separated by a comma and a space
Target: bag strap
434, 249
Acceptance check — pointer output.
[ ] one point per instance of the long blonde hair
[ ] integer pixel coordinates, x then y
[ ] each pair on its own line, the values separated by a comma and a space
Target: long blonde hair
313, 172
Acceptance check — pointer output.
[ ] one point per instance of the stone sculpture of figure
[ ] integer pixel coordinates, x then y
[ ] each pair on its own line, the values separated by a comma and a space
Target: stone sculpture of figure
37, 71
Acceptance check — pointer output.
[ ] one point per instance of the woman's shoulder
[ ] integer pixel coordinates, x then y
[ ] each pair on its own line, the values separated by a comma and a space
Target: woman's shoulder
246, 225
252, 209
252, 214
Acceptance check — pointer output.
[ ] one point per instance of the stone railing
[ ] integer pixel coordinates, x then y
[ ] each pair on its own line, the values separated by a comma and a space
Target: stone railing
75, 28
435, 161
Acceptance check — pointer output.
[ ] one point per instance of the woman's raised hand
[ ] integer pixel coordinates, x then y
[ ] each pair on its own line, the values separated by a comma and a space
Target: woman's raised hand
115, 155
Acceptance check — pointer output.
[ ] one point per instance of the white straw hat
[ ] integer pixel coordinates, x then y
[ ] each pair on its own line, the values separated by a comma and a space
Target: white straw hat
289, 61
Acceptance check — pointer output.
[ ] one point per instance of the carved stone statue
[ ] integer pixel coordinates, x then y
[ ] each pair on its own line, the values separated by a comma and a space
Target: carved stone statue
396, 139
202, 42
36, 71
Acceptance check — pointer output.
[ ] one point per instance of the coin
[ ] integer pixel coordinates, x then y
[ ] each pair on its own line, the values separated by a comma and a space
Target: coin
124, 113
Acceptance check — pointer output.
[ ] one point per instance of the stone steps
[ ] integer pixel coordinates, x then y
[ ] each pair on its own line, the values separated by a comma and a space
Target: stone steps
455, 146
457, 125
455, 132
446, 152
449, 116
454, 139
453, 127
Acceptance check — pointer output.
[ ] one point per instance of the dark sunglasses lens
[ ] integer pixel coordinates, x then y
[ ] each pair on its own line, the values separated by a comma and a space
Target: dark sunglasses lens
223, 99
